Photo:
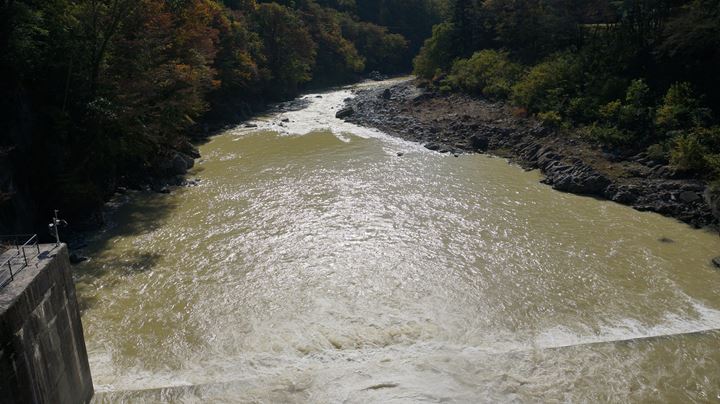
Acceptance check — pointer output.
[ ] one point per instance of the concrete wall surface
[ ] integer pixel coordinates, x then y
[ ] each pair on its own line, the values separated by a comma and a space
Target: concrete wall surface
42, 349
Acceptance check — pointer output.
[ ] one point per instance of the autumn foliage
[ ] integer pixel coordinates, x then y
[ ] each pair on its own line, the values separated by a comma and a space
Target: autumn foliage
100, 93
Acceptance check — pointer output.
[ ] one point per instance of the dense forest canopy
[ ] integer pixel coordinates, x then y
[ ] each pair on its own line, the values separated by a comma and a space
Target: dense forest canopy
632, 75
101, 93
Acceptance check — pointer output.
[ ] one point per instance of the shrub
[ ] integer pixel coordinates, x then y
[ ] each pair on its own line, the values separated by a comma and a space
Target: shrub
697, 150
436, 54
610, 112
488, 72
551, 118
632, 116
609, 135
549, 85
635, 112
688, 154
582, 109
709, 137
713, 166
681, 108
658, 152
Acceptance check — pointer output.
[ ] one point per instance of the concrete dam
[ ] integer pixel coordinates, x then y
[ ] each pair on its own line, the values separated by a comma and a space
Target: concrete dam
42, 349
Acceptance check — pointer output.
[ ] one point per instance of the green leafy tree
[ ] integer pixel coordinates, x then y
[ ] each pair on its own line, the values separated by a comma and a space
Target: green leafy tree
681, 108
381, 50
437, 53
288, 48
337, 59
487, 72
550, 85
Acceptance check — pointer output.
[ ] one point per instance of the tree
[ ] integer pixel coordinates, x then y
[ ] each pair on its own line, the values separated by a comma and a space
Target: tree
288, 48
437, 53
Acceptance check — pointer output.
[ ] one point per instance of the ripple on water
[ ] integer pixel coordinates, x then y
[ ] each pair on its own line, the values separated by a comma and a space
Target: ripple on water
316, 265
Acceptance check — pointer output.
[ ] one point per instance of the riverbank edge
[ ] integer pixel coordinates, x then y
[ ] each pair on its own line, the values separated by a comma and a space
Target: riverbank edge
457, 123
172, 170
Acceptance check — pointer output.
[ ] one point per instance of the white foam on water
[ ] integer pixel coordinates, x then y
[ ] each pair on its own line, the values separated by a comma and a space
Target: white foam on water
254, 367
633, 329
319, 115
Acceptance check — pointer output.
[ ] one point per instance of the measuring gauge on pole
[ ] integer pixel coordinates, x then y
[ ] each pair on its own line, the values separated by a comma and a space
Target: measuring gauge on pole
54, 227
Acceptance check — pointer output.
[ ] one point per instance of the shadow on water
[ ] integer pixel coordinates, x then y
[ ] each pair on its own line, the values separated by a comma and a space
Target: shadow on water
130, 215
132, 263
136, 214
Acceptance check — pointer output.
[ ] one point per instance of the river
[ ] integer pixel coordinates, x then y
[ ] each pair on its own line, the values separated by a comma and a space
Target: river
312, 263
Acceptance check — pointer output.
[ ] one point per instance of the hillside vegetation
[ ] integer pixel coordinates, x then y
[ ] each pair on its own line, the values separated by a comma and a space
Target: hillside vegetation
632, 76
104, 93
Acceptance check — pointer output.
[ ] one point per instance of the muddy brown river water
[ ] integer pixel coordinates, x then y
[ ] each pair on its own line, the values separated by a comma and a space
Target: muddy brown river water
314, 264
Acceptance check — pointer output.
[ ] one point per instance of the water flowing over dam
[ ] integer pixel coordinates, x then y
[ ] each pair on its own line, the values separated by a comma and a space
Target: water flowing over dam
313, 263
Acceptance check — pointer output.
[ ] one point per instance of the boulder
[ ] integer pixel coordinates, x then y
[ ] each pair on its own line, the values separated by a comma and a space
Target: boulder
432, 146
666, 172
712, 198
547, 158
479, 142
386, 94
625, 197
716, 262
345, 112
577, 178
181, 163
77, 258
189, 149
689, 196
422, 97
376, 76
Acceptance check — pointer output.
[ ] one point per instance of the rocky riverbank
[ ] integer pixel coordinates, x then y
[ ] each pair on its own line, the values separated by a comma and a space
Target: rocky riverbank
454, 123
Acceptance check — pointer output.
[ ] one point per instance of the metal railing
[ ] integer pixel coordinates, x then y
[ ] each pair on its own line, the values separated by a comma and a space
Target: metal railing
15, 253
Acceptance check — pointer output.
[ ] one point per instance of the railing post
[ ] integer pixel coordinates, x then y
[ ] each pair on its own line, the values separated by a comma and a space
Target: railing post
21, 244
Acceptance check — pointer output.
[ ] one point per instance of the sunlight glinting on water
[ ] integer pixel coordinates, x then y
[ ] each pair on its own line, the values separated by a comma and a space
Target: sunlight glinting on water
312, 263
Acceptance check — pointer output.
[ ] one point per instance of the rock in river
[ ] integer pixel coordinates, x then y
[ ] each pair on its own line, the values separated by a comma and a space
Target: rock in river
479, 142
344, 113
181, 163
77, 258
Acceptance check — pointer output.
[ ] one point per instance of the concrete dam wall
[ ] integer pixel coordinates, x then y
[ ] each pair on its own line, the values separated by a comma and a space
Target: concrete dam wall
42, 349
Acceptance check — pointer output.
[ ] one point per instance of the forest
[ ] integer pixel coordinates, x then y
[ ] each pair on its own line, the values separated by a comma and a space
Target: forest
631, 76
101, 94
